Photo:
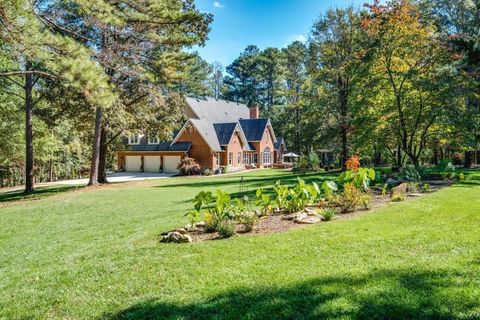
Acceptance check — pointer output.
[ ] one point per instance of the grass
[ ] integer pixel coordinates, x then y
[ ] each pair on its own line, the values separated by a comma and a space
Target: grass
40, 192
95, 255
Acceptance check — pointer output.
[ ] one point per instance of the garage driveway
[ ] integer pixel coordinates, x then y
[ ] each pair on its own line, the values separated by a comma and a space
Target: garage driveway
121, 177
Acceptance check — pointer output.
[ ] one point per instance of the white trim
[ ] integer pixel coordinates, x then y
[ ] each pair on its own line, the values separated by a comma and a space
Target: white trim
130, 139
152, 143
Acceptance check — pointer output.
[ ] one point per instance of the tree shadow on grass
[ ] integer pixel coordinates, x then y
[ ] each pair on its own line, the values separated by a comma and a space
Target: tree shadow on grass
398, 294
254, 181
40, 192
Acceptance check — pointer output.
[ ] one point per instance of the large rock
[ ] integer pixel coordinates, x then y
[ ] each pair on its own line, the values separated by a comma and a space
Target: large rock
308, 216
392, 183
401, 190
176, 237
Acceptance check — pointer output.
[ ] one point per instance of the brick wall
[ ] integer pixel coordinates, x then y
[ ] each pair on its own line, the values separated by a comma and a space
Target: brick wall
200, 150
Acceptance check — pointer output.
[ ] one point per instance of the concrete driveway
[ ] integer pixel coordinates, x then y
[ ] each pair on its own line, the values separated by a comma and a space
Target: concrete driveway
112, 177
121, 177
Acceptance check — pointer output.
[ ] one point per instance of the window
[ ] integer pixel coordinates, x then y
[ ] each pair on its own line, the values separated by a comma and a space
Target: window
255, 158
267, 156
239, 158
217, 159
153, 139
246, 158
230, 158
134, 138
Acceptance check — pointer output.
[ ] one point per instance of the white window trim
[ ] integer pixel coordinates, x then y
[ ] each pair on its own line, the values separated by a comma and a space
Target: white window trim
130, 140
157, 140
255, 158
230, 158
267, 156
239, 158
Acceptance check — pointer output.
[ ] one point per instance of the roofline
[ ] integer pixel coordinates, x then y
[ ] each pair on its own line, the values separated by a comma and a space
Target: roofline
198, 131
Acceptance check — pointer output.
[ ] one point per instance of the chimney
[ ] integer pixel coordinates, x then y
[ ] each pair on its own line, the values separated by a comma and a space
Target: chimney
254, 112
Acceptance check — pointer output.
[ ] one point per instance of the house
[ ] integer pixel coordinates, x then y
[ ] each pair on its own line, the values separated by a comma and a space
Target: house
217, 134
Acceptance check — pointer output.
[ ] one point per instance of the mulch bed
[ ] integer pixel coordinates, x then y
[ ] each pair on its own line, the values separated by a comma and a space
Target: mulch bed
275, 224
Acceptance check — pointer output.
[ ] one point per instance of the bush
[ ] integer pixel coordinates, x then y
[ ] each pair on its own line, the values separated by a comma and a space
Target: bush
350, 198
328, 214
461, 176
207, 172
409, 173
313, 160
353, 163
248, 220
226, 229
426, 187
445, 165
397, 197
366, 200
188, 167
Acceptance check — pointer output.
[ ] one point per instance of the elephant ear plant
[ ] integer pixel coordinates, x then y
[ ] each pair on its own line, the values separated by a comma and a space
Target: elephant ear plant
200, 201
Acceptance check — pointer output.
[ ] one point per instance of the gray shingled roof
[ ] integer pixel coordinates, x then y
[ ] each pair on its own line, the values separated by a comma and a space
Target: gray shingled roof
224, 132
162, 146
254, 128
212, 111
278, 143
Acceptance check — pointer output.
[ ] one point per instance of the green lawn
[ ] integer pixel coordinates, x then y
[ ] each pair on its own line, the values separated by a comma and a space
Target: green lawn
95, 255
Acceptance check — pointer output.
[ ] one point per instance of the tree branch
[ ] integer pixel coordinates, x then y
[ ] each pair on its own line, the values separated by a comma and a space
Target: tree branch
21, 73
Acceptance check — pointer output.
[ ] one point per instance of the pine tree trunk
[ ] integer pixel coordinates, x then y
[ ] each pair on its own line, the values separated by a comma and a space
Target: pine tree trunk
50, 170
102, 170
29, 188
96, 148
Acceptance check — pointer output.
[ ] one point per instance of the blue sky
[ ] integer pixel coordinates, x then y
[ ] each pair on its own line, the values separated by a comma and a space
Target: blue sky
265, 23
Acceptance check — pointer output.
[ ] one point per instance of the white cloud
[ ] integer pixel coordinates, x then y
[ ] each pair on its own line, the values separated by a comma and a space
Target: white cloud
298, 37
217, 4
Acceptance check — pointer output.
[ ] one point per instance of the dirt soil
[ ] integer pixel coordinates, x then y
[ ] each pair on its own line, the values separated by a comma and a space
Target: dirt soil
275, 224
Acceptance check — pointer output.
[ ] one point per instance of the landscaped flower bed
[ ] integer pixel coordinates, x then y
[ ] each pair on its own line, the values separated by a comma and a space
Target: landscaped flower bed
291, 207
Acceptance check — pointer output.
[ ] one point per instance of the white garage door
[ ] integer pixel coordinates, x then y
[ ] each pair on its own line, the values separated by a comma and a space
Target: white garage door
170, 164
133, 164
151, 163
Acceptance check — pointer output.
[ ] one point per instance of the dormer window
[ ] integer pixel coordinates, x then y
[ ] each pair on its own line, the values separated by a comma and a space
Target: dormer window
153, 139
134, 139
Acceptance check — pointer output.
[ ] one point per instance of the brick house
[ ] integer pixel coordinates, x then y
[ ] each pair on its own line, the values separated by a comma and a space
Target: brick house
217, 134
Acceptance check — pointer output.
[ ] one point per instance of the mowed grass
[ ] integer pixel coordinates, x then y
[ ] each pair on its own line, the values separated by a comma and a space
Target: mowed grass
95, 255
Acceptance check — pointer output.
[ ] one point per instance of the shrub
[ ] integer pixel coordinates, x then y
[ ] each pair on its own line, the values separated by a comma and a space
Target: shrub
445, 165
193, 217
188, 167
222, 210
409, 173
413, 187
207, 172
366, 200
361, 178
426, 187
244, 213
264, 202
397, 197
313, 160
461, 176
329, 187
353, 163
301, 165
328, 214
226, 229
297, 198
350, 198
248, 220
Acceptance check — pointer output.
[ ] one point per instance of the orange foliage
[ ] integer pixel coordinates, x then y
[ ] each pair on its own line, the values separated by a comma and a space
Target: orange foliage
353, 163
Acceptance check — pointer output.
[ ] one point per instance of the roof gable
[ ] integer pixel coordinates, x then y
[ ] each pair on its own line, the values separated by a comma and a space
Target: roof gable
254, 128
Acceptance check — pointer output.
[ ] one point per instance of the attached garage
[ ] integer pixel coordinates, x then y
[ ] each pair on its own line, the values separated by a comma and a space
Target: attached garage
133, 163
152, 163
170, 164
